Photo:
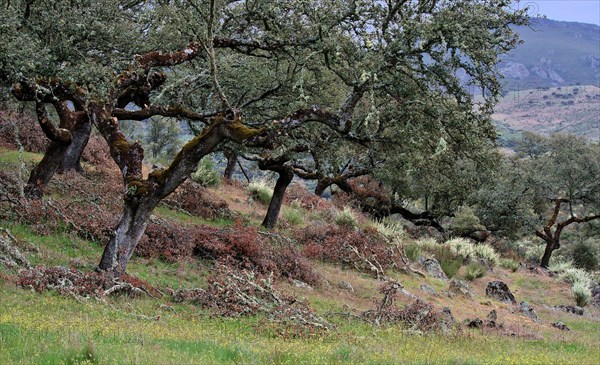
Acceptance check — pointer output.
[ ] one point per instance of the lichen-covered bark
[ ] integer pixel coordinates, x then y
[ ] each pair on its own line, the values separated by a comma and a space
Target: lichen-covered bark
142, 195
80, 138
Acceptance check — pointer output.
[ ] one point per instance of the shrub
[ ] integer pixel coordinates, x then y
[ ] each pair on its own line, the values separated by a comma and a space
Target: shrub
450, 267
412, 251
346, 219
260, 190
585, 256
294, 216
576, 276
560, 266
581, 293
509, 264
487, 253
390, 229
205, 174
449, 262
427, 244
465, 221
461, 247
474, 271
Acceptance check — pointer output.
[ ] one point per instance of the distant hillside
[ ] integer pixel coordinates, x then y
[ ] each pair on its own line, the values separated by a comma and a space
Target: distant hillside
554, 53
573, 109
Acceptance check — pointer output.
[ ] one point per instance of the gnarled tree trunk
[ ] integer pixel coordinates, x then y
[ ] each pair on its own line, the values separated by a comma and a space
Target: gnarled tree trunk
286, 175
127, 234
80, 138
42, 174
232, 159
142, 195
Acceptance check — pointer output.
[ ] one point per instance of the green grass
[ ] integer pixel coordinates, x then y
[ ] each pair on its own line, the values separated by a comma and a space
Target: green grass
48, 329
13, 157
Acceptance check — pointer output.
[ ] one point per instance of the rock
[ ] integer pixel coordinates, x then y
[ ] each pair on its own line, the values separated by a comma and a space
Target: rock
428, 289
487, 302
528, 311
301, 284
492, 320
448, 322
570, 309
10, 255
492, 316
561, 326
474, 323
433, 268
500, 291
459, 287
346, 286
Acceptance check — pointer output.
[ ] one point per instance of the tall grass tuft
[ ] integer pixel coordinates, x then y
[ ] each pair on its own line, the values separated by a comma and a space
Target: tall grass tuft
412, 251
509, 264
261, 191
474, 271
346, 218
581, 293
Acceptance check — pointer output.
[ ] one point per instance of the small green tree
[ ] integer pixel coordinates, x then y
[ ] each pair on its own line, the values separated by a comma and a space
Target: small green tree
163, 138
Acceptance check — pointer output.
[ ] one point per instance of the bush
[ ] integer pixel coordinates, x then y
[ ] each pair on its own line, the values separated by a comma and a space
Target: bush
576, 276
474, 271
465, 221
206, 175
449, 262
412, 251
294, 216
392, 230
450, 267
585, 256
509, 264
261, 191
346, 219
560, 266
581, 293
461, 247
428, 244
470, 252
487, 253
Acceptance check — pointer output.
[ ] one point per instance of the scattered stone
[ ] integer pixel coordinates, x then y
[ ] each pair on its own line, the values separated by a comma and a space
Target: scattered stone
474, 323
486, 302
448, 323
447, 313
561, 326
10, 255
409, 294
433, 268
301, 284
570, 309
459, 287
528, 311
167, 307
492, 320
346, 286
500, 291
428, 289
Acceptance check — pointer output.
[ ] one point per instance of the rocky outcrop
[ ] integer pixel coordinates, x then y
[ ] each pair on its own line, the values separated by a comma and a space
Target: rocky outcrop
514, 70
433, 268
528, 311
459, 287
500, 291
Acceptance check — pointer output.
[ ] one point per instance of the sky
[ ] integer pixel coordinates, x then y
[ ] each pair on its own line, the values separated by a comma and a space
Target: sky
583, 11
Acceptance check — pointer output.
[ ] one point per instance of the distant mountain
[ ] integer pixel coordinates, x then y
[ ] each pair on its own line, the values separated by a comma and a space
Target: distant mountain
554, 53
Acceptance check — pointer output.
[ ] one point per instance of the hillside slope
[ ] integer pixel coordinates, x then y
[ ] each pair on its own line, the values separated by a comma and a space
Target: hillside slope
553, 53
51, 324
